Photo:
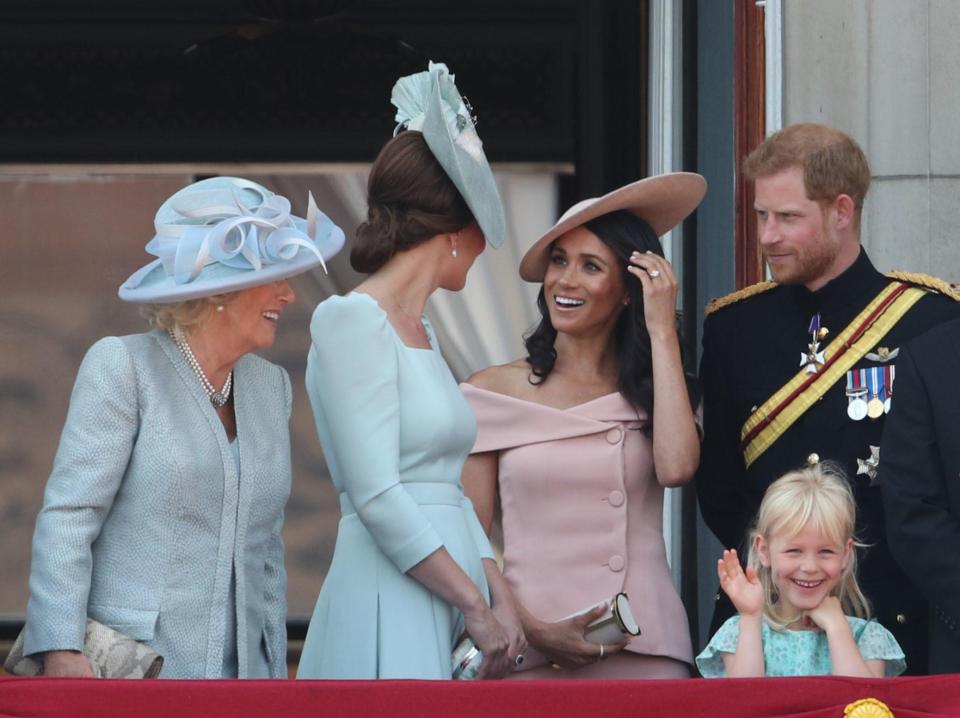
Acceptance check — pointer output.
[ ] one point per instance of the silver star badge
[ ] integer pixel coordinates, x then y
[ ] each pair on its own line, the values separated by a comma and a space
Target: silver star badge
869, 466
812, 360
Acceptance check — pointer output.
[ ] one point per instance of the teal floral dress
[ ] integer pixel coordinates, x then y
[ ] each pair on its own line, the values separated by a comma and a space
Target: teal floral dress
801, 653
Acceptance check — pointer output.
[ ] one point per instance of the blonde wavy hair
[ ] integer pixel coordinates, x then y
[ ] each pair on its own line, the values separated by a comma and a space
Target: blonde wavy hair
819, 495
177, 316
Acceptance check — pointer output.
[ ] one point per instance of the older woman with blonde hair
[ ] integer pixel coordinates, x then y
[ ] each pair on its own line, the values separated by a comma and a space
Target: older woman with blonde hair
162, 516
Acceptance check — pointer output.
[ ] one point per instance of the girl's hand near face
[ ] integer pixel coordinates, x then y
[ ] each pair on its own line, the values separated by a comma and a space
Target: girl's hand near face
744, 589
845, 656
829, 615
659, 292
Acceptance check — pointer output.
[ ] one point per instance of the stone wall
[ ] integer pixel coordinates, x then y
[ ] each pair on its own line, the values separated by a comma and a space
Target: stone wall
885, 72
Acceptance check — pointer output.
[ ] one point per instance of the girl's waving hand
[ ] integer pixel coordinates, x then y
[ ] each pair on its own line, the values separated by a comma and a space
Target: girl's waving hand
744, 589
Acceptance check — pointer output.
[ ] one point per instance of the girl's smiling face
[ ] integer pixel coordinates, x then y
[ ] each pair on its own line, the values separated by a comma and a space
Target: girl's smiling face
805, 568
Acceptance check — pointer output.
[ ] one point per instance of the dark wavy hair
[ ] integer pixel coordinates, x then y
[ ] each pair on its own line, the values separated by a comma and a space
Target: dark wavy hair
624, 233
409, 200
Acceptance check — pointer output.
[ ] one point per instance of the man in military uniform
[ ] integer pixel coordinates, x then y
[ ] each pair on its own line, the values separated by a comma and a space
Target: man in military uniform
802, 369
920, 485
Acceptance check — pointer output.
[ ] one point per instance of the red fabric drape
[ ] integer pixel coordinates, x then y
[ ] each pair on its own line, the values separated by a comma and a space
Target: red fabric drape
826, 697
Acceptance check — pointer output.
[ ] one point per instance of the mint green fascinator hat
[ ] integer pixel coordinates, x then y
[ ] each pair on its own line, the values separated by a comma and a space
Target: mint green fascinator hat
429, 103
224, 234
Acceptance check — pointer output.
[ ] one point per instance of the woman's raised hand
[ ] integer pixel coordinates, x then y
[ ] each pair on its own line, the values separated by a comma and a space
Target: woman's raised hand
659, 290
744, 589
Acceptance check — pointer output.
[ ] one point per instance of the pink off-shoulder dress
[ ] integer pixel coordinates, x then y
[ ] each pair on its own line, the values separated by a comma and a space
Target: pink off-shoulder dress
582, 516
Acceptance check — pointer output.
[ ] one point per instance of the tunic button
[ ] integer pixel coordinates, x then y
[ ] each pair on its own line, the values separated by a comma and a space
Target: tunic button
615, 498
614, 436
901, 619
616, 562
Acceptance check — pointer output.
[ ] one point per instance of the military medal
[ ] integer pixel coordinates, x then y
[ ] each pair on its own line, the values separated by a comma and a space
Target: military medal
888, 373
856, 391
869, 466
813, 358
875, 404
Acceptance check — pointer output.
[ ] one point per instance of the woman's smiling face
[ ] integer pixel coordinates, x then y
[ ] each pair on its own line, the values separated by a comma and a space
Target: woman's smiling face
250, 319
583, 285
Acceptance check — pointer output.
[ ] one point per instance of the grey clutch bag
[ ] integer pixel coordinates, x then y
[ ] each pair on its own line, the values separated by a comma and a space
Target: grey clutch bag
111, 655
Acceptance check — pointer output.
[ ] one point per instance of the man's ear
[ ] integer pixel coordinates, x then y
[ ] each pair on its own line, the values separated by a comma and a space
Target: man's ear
844, 211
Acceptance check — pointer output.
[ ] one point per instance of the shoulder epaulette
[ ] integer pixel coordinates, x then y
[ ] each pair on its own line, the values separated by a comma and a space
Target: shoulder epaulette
753, 289
927, 282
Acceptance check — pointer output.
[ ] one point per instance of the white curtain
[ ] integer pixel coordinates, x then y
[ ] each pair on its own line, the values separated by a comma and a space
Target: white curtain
484, 323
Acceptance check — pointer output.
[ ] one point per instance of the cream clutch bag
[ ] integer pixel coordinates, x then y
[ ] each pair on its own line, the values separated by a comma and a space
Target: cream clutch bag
111, 655
613, 626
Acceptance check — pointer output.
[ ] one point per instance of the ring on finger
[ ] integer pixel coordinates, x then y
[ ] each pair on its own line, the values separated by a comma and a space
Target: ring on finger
654, 273
602, 650
519, 659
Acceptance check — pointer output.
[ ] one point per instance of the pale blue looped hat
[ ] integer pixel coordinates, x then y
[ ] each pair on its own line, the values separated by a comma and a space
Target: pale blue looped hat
224, 234
428, 102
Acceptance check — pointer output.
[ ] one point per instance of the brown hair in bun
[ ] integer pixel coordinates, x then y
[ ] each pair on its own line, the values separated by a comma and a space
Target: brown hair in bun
410, 199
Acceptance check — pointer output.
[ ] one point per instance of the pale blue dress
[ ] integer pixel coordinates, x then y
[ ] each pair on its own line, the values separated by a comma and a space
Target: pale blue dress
802, 653
395, 432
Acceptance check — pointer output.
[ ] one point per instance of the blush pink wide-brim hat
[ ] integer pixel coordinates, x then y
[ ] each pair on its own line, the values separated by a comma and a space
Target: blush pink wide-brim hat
662, 201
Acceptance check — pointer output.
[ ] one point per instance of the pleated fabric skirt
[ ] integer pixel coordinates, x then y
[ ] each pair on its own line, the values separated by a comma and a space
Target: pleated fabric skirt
372, 621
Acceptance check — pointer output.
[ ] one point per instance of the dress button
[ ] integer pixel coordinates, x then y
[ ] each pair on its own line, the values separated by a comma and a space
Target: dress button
615, 498
901, 619
616, 562
614, 435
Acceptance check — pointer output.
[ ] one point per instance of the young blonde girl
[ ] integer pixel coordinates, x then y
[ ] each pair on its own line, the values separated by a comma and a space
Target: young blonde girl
800, 609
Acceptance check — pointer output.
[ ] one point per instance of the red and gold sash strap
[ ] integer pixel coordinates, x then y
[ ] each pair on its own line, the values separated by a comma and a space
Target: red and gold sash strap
778, 413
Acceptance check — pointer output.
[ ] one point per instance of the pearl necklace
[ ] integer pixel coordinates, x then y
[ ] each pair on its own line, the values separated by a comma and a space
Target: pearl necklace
217, 398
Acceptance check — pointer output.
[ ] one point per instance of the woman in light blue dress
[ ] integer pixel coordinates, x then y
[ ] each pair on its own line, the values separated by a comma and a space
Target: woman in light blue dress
412, 570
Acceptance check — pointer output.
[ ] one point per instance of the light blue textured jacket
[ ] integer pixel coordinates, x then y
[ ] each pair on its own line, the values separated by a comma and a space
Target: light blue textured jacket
144, 513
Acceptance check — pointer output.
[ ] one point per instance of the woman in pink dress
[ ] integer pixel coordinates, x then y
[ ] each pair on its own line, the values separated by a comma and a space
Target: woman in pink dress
577, 441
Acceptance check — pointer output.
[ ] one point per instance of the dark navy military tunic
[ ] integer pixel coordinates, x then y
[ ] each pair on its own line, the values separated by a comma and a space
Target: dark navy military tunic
751, 348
